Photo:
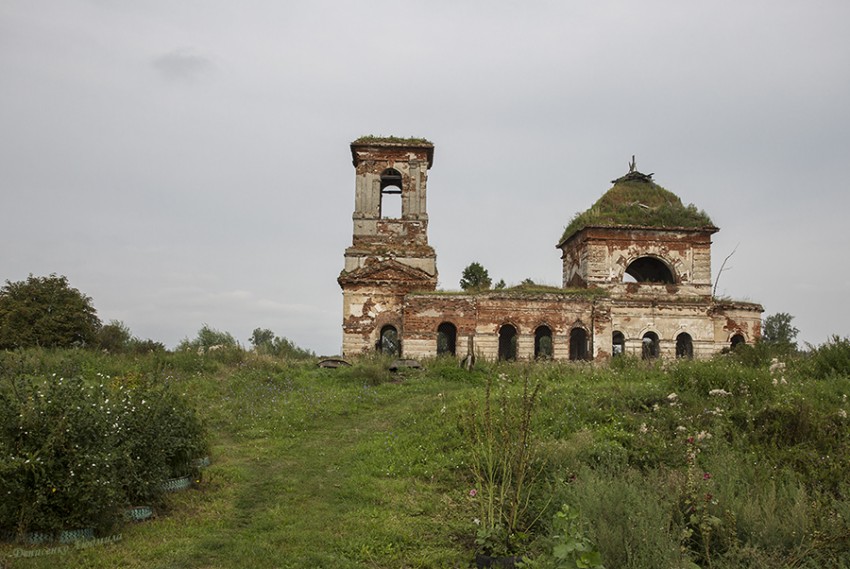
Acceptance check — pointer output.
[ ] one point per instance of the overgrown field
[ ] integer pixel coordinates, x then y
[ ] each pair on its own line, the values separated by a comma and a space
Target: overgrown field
722, 464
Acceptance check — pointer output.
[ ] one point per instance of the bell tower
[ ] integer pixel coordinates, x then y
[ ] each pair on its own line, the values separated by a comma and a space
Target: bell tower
389, 255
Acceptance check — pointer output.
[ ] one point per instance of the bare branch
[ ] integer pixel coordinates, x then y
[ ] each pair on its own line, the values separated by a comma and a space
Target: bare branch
722, 268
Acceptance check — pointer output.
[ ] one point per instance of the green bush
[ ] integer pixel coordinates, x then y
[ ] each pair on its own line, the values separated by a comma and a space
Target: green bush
828, 360
75, 453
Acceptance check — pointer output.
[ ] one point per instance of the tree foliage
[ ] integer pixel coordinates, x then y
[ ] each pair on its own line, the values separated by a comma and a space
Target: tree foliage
46, 312
475, 278
207, 338
266, 342
116, 338
778, 331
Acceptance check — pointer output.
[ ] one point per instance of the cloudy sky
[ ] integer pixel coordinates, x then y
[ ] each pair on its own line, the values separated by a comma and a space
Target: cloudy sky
187, 162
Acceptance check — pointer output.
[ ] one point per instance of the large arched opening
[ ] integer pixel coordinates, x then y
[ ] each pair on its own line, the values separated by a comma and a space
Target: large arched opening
684, 346
578, 344
446, 339
618, 344
737, 340
650, 346
649, 270
389, 343
507, 342
543, 349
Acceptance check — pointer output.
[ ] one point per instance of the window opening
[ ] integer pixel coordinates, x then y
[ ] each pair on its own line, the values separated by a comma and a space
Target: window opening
618, 344
737, 340
543, 343
578, 344
389, 342
446, 339
649, 270
391, 194
507, 342
649, 346
684, 346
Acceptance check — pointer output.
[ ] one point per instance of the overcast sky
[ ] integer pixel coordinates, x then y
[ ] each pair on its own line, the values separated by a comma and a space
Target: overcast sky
187, 162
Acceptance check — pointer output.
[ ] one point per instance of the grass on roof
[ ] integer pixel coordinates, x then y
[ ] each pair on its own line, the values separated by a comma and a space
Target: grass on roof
638, 203
371, 138
524, 290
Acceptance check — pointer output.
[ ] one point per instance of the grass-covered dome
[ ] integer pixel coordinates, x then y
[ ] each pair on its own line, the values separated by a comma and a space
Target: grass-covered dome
636, 201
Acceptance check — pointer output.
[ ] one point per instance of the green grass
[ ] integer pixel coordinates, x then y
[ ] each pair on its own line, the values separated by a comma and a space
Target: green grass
371, 138
641, 203
359, 468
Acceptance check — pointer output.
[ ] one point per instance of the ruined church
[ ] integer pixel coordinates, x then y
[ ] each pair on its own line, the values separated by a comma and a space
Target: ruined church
636, 277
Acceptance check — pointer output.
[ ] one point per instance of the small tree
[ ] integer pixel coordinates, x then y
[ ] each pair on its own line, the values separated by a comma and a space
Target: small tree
261, 338
778, 331
46, 311
114, 337
207, 338
475, 278
266, 342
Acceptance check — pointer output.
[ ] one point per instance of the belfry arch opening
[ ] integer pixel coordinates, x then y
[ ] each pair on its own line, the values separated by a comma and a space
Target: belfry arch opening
391, 194
446, 339
649, 270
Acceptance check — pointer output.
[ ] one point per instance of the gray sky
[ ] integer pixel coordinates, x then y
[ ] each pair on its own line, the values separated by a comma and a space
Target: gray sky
187, 162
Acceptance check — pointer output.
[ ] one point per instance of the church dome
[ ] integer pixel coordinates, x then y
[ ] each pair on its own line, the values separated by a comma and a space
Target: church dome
635, 200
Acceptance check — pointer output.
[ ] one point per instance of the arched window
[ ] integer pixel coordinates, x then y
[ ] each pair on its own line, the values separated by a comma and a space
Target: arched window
650, 348
507, 342
446, 339
578, 344
650, 270
684, 346
391, 194
543, 343
618, 344
737, 340
389, 342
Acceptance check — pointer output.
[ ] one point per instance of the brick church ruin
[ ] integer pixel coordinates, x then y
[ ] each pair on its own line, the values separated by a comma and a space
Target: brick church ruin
636, 277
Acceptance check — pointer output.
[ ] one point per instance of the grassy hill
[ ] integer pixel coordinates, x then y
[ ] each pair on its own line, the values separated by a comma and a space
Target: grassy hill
685, 464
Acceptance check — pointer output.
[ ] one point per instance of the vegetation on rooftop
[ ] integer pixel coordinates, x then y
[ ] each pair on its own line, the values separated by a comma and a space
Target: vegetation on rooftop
371, 138
524, 290
638, 201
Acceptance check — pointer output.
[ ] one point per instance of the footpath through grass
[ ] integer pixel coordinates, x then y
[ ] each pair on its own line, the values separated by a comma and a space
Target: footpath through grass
311, 468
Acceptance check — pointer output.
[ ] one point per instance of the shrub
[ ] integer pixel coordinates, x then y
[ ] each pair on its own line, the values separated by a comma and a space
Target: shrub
74, 454
502, 454
828, 360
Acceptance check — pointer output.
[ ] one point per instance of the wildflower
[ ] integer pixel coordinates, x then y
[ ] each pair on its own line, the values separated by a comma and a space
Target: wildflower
473, 493
842, 413
643, 428
476, 521
706, 476
672, 397
719, 392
